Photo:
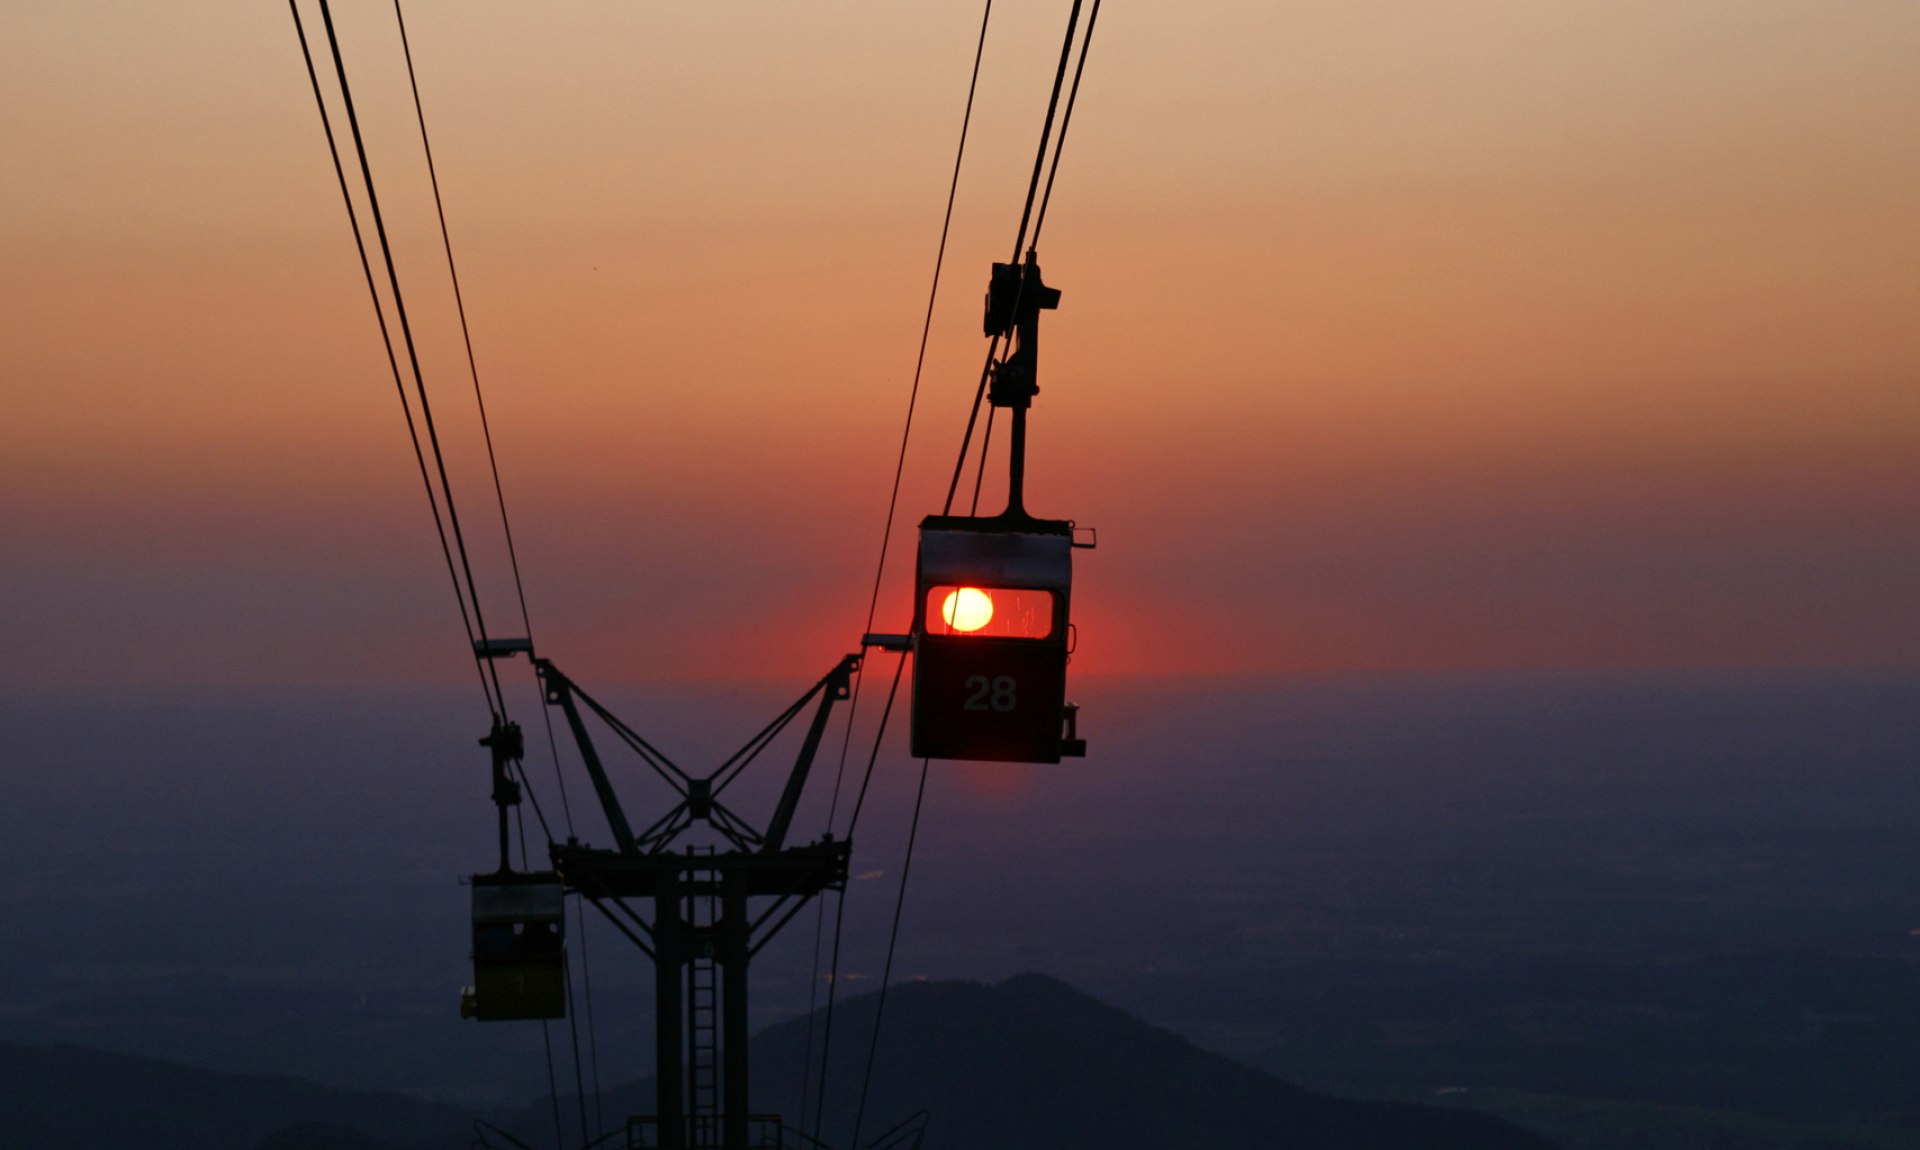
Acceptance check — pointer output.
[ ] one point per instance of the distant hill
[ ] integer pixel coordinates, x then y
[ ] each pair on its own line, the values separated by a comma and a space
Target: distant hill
1033, 1064
60, 1097
1028, 1064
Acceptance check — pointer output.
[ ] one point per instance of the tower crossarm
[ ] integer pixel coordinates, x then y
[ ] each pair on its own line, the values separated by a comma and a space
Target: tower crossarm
792, 872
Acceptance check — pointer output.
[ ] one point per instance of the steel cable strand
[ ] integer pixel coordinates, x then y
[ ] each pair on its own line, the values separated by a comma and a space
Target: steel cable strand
813, 1000
886, 970
1066, 120
840, 908
479, 399
826, 1041
860, 802
893, 937
546, 1036
1019, 241
579, 1082
593, 1040
886, 534
926, 327
980, 475
497, 698
386, 339
413, 355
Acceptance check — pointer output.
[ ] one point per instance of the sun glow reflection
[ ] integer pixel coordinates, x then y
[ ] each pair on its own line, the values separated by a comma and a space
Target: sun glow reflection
967, 609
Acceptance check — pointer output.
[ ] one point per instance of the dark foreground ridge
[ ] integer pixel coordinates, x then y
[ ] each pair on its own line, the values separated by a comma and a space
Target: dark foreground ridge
56, 1097
1033, 1064
1028, 1064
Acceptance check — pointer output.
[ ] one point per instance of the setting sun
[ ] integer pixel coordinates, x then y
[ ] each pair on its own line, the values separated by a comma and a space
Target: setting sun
967, 609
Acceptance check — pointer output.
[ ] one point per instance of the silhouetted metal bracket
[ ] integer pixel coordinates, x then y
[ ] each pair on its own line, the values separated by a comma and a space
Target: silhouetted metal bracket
502, 648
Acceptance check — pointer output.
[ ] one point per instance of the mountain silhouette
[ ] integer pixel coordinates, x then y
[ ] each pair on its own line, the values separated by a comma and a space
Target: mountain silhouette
1033, 1064
56, 1097
1026, 1064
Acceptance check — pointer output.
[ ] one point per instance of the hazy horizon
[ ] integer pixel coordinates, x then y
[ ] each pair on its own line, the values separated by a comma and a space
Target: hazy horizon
1226, 849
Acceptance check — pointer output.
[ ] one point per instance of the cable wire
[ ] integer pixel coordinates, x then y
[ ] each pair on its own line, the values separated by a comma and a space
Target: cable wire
899, 907
886, 538
386, 339
413, 354
840, 908
913, 395
506, 525
1066, 120
488, 672
1019, 241
479, 398
826, 1041
813, 999
893, 939
546, 1035
593, 1041
579, 1083
1046, 129
980, 475
860, 803
926, 327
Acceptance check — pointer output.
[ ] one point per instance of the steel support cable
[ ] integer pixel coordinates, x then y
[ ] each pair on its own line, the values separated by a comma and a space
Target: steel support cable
546, 1037
894, 932
826, 1041
1066, 120
1046, 129
520, 772
893, 939
413, 355
553, 1085
386, 339
1019, 241
513, 555
861, 801
813, 999
926, 326
886, 534
1040, 217
913, 395
479, 399
497, 698
980, 475
593, 1039
973, 418
579, 1078
913, 832
840, 908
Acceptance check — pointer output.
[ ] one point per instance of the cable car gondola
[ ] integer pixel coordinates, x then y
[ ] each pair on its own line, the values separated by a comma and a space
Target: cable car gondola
519, 948
991, 625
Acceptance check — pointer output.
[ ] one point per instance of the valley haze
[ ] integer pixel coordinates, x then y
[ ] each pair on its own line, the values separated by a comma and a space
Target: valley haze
1383, 886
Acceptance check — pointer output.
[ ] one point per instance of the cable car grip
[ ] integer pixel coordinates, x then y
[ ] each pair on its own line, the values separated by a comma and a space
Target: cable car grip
508, 746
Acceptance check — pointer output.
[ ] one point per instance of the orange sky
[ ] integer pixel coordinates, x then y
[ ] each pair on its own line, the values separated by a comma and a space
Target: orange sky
1395, 335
